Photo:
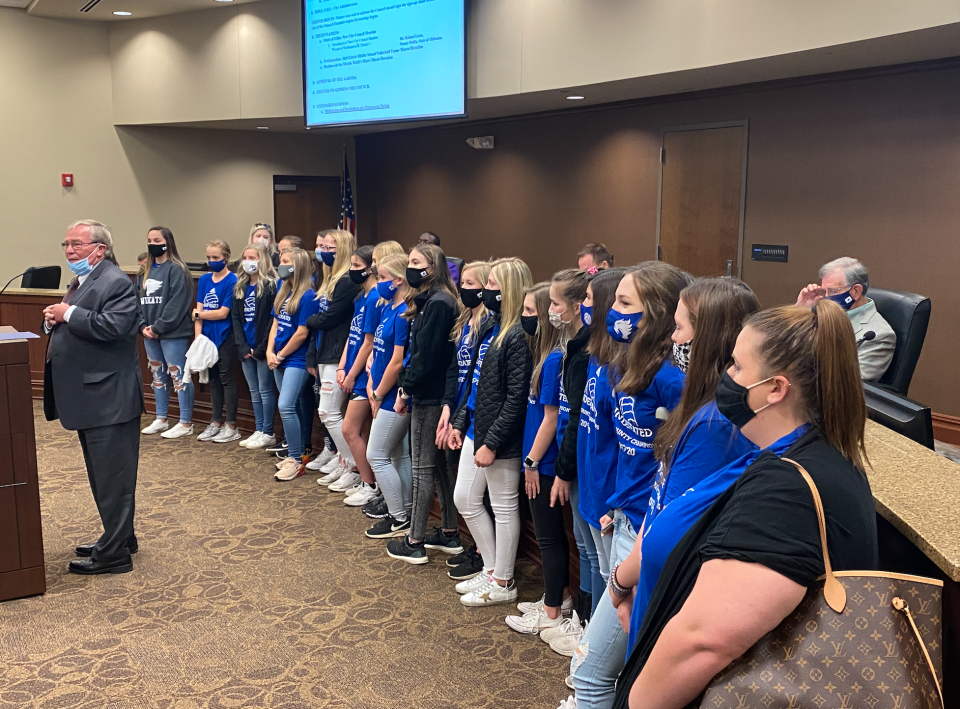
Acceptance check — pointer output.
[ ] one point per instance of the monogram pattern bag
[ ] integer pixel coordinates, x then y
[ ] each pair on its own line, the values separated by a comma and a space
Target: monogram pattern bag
859, 640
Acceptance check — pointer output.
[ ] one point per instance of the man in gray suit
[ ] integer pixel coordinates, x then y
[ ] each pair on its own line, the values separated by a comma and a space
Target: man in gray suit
92, 383
845, 281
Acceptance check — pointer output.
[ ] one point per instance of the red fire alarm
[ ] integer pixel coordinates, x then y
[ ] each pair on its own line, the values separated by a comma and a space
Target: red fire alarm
66, 180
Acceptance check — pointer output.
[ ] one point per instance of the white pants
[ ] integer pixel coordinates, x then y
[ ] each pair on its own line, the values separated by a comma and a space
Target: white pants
331, 407
498, 548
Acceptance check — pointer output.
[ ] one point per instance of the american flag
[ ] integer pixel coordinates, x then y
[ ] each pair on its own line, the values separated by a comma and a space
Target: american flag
348, 218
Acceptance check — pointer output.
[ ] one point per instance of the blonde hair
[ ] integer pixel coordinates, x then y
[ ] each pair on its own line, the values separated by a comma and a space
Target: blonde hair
99, 234
346, 245
387, 248
396, 266
513, 276
223, 246
266, 275
482, 269
547, 338
298, 284
267, 228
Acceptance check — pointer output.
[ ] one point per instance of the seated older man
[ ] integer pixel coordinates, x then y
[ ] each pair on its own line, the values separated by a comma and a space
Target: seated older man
845, 282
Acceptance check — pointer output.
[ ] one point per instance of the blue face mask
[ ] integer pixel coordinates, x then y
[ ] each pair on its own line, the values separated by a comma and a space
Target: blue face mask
844, 300
623, 326
386, 289
81, 267
326, 257
216, 266
586, 314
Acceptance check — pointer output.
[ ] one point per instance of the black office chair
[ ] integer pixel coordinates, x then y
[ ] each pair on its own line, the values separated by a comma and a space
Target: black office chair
42, 277
908, 314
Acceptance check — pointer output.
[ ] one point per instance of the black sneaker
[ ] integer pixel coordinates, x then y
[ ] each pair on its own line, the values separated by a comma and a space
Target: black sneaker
440, 540
376, 509
401, 549
388, 527
463, 557
469, 568
278, 448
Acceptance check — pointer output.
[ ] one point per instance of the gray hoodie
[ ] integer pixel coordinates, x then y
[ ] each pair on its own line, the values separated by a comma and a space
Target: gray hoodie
165, 301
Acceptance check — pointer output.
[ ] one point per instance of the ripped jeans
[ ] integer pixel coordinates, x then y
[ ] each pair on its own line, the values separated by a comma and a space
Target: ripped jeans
166, 359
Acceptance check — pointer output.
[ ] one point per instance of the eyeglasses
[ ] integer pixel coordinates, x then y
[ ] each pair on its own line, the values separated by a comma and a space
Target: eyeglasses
328, 249
837, 291
77, 244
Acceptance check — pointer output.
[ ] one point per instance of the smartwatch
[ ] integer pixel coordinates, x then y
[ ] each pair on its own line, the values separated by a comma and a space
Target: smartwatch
376, 397
530, 464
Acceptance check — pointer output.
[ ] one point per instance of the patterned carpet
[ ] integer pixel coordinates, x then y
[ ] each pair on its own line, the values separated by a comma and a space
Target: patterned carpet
250, 593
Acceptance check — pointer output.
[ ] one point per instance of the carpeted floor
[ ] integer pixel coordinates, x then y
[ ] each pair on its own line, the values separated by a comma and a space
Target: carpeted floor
250, 593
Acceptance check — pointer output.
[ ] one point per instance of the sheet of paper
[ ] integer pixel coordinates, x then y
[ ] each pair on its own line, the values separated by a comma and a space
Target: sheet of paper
17, 336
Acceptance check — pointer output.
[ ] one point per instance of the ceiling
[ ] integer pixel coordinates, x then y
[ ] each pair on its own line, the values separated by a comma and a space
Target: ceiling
103, 10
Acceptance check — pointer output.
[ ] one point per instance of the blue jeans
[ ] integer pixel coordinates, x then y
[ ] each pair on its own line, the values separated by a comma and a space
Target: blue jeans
591, 580
262, 395
290, 382
166, 359
602, 652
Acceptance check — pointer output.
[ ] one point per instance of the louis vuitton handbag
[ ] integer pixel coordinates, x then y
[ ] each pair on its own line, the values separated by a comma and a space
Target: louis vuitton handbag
859, 640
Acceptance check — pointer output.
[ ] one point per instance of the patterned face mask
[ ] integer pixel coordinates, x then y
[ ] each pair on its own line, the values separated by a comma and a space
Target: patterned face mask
681, 355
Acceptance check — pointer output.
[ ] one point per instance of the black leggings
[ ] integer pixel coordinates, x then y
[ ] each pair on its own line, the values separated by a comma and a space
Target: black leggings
223, 383
554, 546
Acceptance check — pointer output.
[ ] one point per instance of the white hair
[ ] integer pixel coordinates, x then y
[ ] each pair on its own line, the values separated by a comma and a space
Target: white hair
854, 272
99, 234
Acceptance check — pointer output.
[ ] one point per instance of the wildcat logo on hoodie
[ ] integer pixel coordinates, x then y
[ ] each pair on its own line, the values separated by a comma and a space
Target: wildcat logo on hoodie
151, 287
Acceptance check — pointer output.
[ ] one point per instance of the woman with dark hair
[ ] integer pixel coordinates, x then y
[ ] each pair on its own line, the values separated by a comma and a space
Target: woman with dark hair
794, 390
432, 310
166, 290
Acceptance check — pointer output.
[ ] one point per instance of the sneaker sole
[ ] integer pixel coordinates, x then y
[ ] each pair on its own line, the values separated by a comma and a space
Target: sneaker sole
373, 515
286, 480
564, 653
228, 440
523, 629
481, 604
463, 578
409, 559
568, 680
446, 550
391, 535
358, 503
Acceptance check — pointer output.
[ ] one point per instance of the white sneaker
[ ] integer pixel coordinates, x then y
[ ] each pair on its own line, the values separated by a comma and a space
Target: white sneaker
292, 468
566, 645
571, 701
264, 441
209, 432
331, 465
226, 435
325, 457
472, 584
534, 606
533, 623
569, 626
250, 439
346, 481
491, 594
178, 431
157, 426
366, 493
331, 477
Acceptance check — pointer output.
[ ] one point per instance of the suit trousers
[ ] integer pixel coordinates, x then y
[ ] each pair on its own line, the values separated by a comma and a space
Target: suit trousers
111, 454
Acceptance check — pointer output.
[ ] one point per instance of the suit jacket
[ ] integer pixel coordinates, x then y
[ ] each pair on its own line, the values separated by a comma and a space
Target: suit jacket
875, 355
92, 375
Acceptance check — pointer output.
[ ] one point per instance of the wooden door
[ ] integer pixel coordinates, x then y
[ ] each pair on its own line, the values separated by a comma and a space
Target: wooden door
302, 206
701, 199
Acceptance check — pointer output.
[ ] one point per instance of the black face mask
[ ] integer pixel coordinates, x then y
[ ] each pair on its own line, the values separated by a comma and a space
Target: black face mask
491, 298
156, 250
732, 400
471, 297
530, 324
415, 276
358, 276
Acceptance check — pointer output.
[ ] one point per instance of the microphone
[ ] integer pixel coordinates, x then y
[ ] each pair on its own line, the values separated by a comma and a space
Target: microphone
867, 336
15, 278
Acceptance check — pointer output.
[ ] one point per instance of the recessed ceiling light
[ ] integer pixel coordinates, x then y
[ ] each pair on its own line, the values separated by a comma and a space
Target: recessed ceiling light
223, 0
575, 97
263, 127
121, 13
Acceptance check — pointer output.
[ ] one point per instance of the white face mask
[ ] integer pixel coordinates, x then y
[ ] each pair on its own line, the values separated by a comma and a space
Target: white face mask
264, 240
250, 266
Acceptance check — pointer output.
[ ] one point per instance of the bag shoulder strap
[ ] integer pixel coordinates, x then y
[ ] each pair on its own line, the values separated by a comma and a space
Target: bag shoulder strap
833, 591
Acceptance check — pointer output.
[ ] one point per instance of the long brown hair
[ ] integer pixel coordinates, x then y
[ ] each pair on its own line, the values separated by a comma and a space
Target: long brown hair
717, 307
815, 349
601, 346
658, 284
547, 338
438, 279
172, 255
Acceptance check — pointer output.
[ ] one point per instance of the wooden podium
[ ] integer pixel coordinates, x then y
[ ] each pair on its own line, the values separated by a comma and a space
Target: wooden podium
21, 541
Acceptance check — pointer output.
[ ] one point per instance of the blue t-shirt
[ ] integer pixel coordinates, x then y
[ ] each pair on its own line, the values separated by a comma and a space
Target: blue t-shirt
549, 395
392, 331
596, 446
213, 296
464, 355
563, 416
249, 312
664, 529
287, 325
635, 420
472, 399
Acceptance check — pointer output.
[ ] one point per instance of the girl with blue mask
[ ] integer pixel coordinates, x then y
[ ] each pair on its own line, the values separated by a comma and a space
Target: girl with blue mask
647, 387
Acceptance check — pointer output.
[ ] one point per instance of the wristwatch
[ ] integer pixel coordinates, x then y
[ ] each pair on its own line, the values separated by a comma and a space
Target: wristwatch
530, 464
403, 395
376, 397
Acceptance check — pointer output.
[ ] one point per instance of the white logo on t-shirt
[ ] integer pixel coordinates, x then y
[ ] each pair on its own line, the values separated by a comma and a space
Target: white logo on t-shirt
211, 301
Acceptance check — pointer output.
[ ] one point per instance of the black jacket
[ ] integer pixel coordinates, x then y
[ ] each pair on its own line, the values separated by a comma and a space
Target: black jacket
263, 320
333, 323
430, 348
575, 365
501, 393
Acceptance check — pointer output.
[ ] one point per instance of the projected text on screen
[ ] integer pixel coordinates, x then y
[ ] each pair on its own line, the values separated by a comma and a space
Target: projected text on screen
375, 60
